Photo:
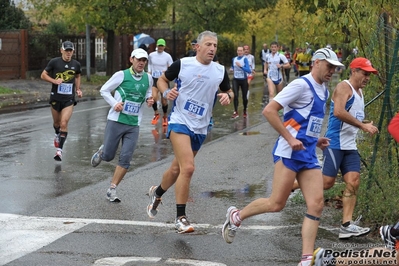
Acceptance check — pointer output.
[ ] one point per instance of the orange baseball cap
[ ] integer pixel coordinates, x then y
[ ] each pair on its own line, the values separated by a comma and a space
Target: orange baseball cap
363, 64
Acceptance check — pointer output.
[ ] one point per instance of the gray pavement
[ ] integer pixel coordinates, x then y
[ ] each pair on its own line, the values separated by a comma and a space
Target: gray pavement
81, 228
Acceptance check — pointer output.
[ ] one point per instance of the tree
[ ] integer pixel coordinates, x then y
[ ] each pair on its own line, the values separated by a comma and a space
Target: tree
215, 15
110, 17
11, 17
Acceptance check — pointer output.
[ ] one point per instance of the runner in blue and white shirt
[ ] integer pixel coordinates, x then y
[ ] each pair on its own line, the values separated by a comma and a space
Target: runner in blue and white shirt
199, 80
275, 62
304, 103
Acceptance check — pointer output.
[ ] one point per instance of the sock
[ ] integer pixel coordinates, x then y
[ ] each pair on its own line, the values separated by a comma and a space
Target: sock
236, 218
63, 136
113, 186
159, 192
57, 130
180, 210
306, 259
165, 110
155, 106
346, 224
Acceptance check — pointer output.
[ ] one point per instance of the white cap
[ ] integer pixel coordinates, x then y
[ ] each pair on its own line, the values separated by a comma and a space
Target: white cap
326, 54
139, 53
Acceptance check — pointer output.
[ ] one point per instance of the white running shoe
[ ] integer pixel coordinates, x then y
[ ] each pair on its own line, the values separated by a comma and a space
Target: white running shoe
352, 230
182, 225
58, 155
96, 158
152, 207
111, 195
229, 228
389, 240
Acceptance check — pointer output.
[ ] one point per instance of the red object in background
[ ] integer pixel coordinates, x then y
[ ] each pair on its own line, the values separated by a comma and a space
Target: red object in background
393, 127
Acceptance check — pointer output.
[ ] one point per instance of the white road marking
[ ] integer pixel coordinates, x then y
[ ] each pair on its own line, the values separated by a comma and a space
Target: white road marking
21, 235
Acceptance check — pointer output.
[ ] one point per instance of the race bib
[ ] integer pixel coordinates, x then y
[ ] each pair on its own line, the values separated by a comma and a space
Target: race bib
314, 126
131, 108
239, 74
156, 74
65, 88
273, 74
195, 108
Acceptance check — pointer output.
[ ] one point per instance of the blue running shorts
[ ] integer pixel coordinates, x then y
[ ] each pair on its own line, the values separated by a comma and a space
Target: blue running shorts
296, 165
196, 139
344, 160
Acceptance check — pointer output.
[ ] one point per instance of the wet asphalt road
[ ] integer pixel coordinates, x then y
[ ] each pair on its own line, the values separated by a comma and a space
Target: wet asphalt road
56, 213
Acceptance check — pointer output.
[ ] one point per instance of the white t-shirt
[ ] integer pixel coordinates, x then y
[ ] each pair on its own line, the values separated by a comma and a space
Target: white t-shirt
272, 60
158, 63
198, 87
251, 61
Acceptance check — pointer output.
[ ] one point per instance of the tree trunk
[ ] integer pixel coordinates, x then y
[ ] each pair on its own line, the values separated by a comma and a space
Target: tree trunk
110, 52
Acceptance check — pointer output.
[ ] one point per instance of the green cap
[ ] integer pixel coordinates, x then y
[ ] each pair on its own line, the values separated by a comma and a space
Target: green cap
161, 42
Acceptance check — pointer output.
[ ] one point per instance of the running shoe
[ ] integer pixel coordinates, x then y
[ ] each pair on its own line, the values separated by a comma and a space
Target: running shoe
96, 158
155, 119
111, 195
57, 140
58, 155
389, 241
182, 225
352, 230
229, 228
235, 115
152, 207
319, 259
244, 114
164, 121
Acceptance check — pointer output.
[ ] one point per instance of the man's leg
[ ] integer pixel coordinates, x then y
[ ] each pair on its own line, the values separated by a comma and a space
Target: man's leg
311, 184
164, 102
235, 100
129, 136
283, 179
279, 86
272, 89
352, 181
244, 90
184, 155
63, 117
155, 94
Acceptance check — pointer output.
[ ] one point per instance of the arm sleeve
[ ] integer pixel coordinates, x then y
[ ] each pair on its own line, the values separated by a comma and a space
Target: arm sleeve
110, 86
149, 90
225, 85
246, 67
173, 70
149, 64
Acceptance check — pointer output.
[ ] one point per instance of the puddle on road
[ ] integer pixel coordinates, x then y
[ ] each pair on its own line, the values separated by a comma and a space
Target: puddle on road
248, 191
